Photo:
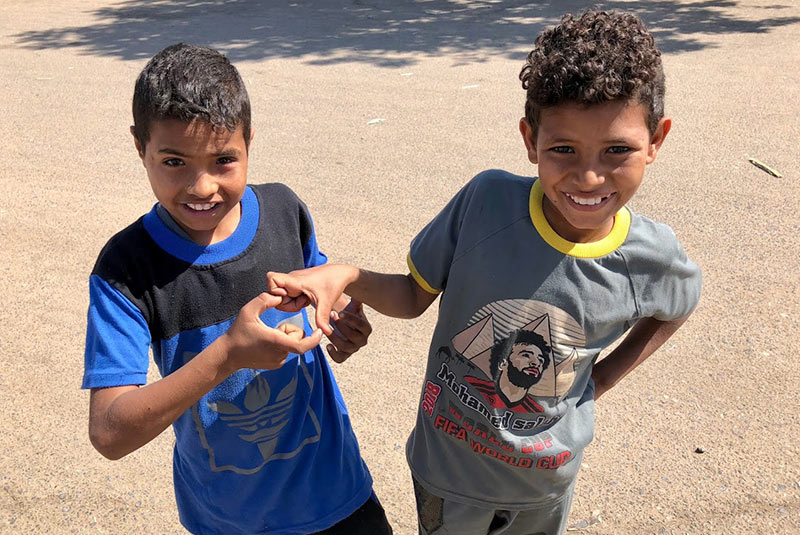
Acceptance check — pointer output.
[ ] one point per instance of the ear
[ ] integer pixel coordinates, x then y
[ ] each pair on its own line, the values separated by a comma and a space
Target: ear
530, 140
139, 147
657, 139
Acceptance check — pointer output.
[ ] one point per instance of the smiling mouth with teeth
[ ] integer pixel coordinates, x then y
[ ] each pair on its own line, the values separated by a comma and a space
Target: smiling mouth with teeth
201, 207
587, 201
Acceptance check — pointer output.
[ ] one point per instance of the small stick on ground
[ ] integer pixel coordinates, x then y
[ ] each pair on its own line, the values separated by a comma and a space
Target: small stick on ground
765, 167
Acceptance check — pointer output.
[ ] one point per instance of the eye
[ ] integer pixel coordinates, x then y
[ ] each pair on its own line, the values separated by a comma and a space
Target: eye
619, 149
563, 149
225, 160
173, 162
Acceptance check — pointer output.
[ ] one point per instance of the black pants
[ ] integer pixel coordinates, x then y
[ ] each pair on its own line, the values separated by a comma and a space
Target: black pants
369, 519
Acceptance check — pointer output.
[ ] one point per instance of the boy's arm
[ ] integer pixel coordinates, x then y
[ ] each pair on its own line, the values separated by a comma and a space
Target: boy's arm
644, 339
393, 295
124, 418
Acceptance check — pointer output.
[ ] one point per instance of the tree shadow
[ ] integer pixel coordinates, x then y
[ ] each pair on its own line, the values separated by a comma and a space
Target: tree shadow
381, 32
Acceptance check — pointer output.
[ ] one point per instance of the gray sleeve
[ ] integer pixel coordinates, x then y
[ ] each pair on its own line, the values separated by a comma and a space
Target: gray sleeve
669, 286
432, 250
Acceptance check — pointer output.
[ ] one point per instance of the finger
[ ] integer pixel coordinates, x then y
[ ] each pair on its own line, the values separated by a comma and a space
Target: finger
291, 329
283, 284
293, 304
336, 355
322, 317
355, 306
273, 285
303, 344
343, 344
354, 322
260, 303
342, 330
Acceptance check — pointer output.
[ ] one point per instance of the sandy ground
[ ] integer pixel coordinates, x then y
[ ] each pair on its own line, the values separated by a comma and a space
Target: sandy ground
375, 112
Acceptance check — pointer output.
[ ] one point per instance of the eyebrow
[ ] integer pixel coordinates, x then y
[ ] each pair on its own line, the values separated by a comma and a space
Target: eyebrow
568, 141
226, 152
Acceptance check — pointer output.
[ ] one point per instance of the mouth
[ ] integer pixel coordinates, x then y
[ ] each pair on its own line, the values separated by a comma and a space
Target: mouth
589, 202
201, 207
532, 371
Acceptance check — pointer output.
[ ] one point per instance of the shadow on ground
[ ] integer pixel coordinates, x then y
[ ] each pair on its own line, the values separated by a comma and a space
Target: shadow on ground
381, 32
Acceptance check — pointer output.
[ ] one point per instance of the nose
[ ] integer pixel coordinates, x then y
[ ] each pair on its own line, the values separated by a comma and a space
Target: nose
203, 186
590, 174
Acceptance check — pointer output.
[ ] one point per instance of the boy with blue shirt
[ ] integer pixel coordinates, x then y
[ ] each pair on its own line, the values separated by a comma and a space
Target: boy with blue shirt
264, 443
537, 276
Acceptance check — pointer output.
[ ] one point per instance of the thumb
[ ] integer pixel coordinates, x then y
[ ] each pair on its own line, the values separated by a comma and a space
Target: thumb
260, 303
323, 316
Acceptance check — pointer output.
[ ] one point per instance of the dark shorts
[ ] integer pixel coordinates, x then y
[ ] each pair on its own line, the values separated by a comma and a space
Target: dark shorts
369, 519
439, 516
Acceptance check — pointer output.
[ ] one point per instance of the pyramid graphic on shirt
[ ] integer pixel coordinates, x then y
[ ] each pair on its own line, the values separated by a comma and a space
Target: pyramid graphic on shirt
476, 341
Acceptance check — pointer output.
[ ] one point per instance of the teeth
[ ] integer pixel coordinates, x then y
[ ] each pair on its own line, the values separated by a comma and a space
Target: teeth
591, 201
201, 207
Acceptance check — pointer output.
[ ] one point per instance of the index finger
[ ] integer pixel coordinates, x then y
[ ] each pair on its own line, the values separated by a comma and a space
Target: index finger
274, 283
357, 322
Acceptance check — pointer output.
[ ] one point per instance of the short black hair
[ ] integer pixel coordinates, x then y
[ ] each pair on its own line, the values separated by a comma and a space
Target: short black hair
597, 57
502, 349
188, 82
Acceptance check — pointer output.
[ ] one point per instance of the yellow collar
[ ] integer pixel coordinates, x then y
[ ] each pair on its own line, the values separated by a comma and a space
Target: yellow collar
615, 238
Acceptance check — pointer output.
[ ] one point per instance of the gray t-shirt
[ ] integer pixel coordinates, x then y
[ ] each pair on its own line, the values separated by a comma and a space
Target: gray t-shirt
507, 404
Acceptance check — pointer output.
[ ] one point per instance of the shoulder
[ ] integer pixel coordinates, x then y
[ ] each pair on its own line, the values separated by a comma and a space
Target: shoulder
491, 179
667, 283
282, 211
652, 239
276, 197
496, 193
125, 246
654, 253
276, 193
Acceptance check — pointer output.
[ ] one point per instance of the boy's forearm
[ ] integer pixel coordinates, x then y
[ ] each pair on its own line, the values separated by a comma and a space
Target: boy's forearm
124, 419
394, 295
644, 339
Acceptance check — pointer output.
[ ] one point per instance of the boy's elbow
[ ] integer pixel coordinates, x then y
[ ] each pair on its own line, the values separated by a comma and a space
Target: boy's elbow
106, 444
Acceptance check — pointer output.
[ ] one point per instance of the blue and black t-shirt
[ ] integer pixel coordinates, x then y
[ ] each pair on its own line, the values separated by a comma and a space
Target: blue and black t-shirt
266, 451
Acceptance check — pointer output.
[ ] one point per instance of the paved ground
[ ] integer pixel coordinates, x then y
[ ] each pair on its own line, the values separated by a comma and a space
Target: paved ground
375, 112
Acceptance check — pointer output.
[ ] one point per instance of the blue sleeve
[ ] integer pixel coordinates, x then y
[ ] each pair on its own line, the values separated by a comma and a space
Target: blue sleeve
311, 253
117, 339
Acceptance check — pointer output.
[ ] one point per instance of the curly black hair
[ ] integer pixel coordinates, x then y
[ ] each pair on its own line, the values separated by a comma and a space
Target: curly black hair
187, 82
597, 57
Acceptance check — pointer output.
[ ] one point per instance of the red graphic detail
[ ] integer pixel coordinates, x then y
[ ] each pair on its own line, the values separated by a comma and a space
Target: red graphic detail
450, 427
432, 391
489, 391
552, 462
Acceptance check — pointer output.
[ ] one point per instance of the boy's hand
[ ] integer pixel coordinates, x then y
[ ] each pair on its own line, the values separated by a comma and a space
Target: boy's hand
251, 344
321, 286
351, 329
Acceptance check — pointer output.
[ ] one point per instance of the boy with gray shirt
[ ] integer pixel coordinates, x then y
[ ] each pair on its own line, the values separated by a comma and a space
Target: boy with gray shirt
537, 277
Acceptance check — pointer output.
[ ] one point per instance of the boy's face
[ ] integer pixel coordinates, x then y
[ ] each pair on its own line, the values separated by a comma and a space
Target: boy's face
198, 173
591, 161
